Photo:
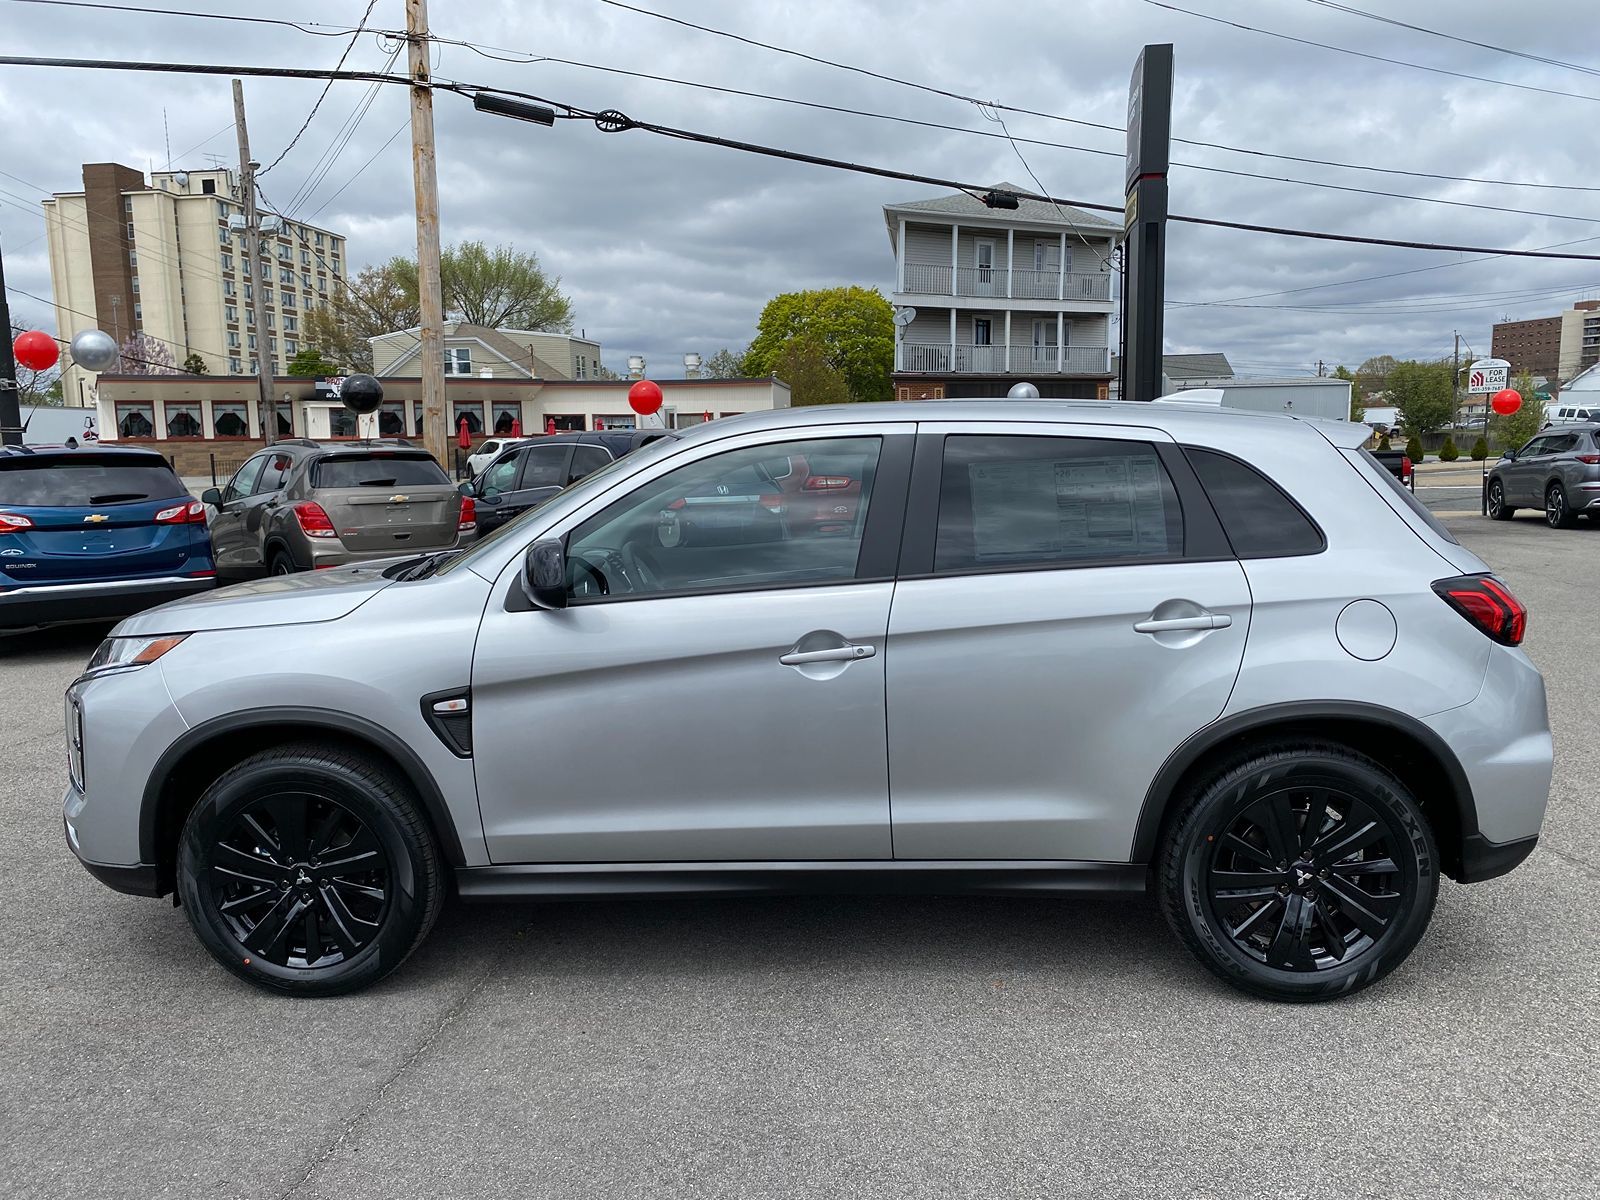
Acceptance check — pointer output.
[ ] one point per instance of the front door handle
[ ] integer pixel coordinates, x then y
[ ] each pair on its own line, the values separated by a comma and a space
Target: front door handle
1176, 624
849, 652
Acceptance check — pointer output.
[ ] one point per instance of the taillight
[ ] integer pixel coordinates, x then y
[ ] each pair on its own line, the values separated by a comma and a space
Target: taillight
827, 483
11, 522
183, 514
469, 515
1405, 467
1591, 459
313, 520
1488, 604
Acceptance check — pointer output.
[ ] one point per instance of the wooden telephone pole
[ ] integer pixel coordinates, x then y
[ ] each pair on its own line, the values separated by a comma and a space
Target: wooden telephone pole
265, 359
425, 176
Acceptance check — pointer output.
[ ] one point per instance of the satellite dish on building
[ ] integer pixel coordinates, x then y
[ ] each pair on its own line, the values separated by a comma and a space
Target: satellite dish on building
904, 316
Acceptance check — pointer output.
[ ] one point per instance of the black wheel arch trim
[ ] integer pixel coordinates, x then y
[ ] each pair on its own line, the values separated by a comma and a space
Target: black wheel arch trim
342, 724
1162, 791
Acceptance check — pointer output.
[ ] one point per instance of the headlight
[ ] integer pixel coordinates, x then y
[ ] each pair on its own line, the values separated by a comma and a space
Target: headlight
131, 651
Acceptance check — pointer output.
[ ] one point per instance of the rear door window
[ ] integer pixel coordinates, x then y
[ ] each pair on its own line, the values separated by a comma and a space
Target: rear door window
85, 479
1017, 501
586, 459
376, 470
544, 466
1259, 519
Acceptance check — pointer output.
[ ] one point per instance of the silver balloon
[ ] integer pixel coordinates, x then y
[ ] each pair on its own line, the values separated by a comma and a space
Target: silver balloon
94, 350
1023, 391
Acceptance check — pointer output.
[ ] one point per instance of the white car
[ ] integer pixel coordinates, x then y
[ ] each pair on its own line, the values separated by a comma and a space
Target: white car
488, 452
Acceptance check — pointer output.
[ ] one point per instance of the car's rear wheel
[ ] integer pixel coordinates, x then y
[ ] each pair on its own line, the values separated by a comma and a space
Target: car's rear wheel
1558, 513
1305, 872
1499, 510
280, 563
307, 869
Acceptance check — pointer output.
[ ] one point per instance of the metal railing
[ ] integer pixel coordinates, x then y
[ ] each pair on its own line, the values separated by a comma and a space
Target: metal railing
931, 279
965, 358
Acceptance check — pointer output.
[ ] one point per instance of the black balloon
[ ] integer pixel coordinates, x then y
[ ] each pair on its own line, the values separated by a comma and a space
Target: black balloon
361, 394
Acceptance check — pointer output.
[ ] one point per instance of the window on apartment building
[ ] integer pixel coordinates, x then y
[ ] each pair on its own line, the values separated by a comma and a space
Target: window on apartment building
233, 339
222, 235
288, 298
285, 275
290, 324
230, 314
227, 287
319, 239
135, 285
264, 270
234, 366
272, 321
138, 311
266, 295
322, 283
222, 209
336, 265
284, 252
127, 207
133, 261
982, 331
305, 280
305, 257
208, 187
183, 420
291, 347
252, 343
227, 261
130, 231
458, 361
230, 419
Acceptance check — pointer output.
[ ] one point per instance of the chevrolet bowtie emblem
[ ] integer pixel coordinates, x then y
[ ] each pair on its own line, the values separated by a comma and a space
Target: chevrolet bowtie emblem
96, 518
398, 499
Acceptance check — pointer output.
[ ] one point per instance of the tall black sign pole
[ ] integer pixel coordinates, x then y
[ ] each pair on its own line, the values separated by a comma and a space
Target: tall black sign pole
1144, 249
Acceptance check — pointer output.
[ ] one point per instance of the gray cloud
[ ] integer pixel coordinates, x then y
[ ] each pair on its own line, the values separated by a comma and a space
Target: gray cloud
667, 247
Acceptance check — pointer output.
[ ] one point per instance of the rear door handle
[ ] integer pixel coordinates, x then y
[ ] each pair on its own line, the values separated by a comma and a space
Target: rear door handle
846, 653
1174, 624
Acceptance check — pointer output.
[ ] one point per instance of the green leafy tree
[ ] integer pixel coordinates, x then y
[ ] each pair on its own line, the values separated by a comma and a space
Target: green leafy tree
500, 287
803, 364
1480, 450
195, 363
1510, 433
1448, 452
1422, 395
1373, 375
1358, 410
310, 362
1414, 448
852, 327
373, 302
724, 364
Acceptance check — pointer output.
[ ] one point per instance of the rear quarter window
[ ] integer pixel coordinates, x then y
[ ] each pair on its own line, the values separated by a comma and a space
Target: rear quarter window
376, 470
85, 480
1260, 519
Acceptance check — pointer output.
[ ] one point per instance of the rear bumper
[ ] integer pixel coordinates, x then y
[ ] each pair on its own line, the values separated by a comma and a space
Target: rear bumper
33, 605
322, 554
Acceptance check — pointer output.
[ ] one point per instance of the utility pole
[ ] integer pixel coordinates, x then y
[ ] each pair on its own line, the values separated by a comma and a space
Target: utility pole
425, 178
10, 395
268, 405
1322, 369
1455, 382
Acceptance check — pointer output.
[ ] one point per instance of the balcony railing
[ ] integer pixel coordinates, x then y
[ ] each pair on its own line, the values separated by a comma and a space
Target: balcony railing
931, 279
946, 358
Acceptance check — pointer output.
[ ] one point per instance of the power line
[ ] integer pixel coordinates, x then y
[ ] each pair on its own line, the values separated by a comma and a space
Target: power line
404, 125
90, 316
994, 104
340, 140
1394, 62
306, 124
314, 28
1465, 41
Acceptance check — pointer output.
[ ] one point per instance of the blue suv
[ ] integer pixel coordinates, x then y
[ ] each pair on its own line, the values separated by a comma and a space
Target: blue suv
95, 534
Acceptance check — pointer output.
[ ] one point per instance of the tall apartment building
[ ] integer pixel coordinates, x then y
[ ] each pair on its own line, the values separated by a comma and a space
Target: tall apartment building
1558, 347
986, 297
160, 258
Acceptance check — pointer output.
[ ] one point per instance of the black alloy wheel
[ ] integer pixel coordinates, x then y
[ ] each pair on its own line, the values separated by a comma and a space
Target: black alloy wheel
1498, 509
309, 869
1557, 513
300, 880
1303, 873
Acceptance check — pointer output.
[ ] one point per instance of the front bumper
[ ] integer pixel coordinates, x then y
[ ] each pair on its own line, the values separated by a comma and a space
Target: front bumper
137, 880
35, 605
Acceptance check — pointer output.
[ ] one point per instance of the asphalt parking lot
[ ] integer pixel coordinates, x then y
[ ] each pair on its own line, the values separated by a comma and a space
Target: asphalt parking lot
817, 1047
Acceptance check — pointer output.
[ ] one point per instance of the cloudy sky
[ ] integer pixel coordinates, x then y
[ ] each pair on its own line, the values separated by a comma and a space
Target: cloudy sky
667, 247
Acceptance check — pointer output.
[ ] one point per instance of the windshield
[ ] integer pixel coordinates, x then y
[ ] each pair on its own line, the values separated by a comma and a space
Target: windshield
596, 481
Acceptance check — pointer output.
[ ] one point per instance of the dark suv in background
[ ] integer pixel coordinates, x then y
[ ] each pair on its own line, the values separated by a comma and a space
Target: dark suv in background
301, 505
94, 534
1558, 471
530, 472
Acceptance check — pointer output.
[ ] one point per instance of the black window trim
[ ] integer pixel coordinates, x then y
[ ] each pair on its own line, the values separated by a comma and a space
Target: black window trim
1322, 537
876, 562
1203, 538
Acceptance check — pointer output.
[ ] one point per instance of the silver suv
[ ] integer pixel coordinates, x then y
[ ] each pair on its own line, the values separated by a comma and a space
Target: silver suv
301, 505
989, 647
1558, 471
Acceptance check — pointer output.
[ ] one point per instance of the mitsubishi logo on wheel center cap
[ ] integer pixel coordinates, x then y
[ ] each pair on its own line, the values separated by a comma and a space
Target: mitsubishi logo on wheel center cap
1302, 876
303, 879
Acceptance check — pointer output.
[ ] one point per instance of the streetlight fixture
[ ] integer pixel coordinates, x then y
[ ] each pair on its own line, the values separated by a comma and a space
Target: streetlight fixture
501, 106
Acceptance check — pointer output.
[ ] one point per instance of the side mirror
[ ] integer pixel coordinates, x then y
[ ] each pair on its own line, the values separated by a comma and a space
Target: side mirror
212, 497
467, 488
544, 574
1509, 456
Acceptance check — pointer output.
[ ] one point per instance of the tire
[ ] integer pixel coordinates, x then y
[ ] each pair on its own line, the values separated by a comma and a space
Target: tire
280, 563
1558, 513
1294, 934
1499, 510
261, 897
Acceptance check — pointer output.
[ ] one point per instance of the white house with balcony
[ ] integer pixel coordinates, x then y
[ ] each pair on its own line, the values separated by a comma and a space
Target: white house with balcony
985, 297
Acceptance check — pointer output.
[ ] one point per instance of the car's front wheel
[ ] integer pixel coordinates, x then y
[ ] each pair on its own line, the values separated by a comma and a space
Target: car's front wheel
1499, 510
307, 869
1306, 872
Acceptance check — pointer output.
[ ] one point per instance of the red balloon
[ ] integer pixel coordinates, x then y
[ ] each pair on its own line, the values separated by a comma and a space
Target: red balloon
644, 398
1506, 401
36, 350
